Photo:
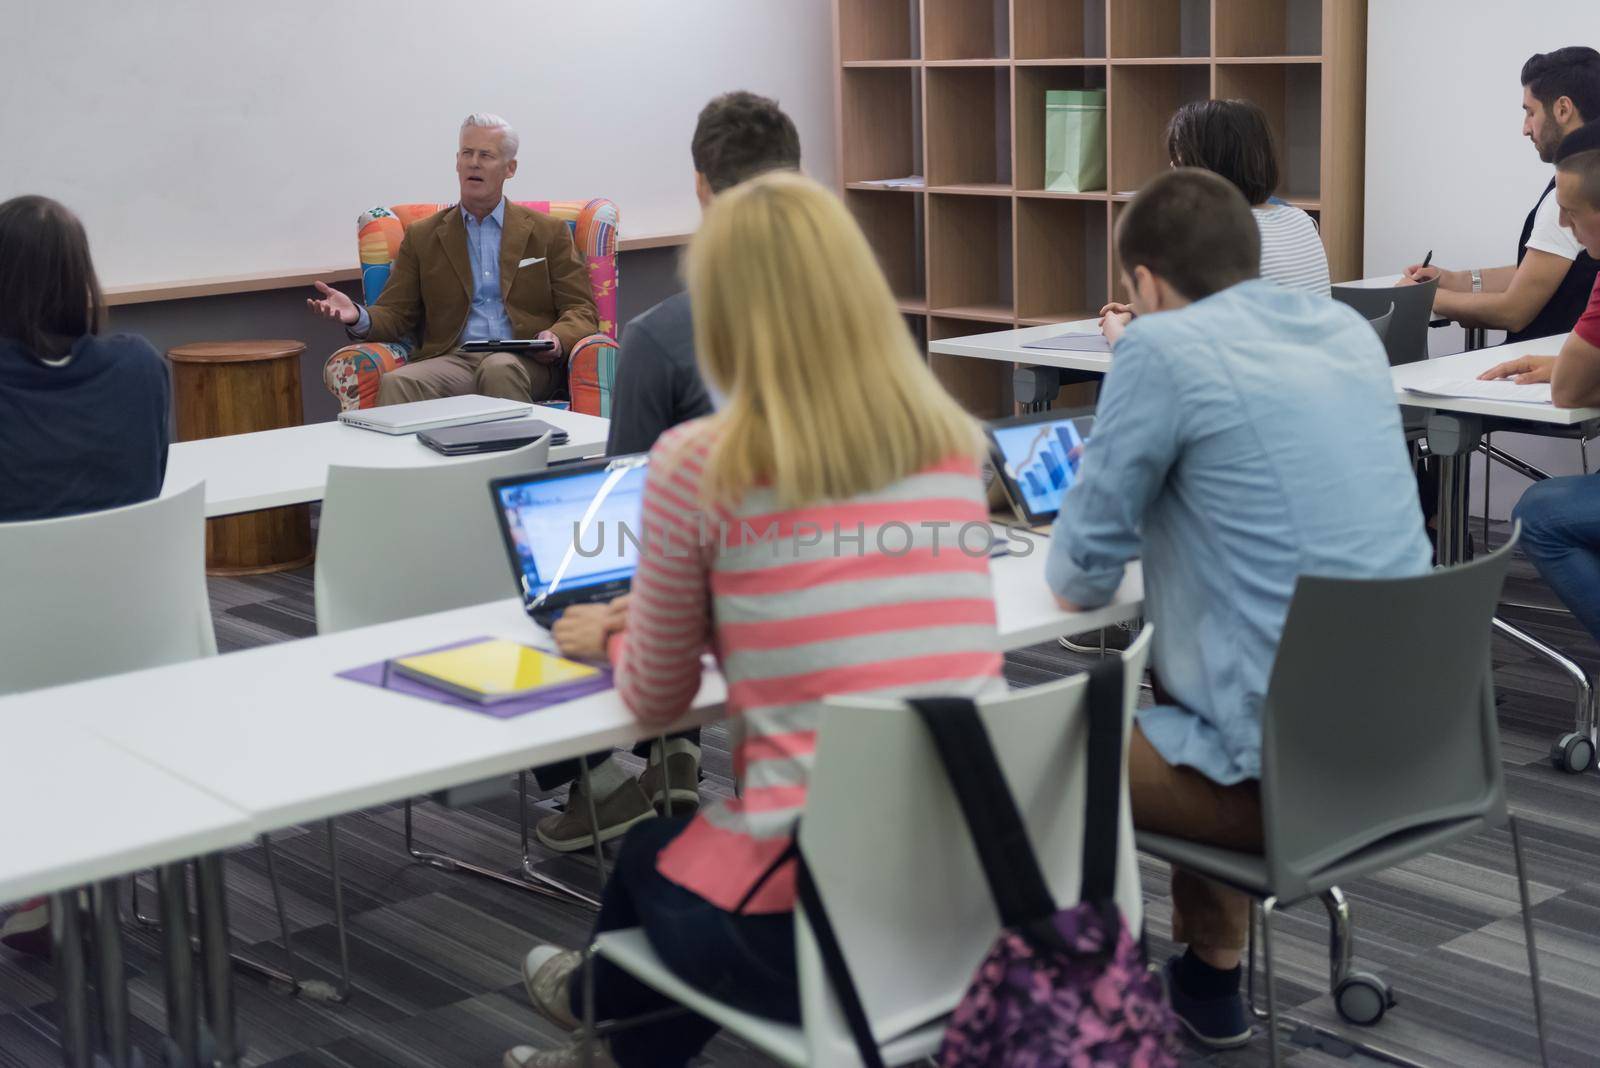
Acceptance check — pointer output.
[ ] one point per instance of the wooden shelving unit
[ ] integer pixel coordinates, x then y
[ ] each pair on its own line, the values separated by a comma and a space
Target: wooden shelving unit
954, 91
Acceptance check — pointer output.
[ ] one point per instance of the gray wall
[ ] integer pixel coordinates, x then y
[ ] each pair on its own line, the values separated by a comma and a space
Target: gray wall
644, 278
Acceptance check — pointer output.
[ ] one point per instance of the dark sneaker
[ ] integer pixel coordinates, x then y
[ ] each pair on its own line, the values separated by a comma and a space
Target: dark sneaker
570, 831
1216, 1023
27, 930
1118, 637
565, 1057
683, 772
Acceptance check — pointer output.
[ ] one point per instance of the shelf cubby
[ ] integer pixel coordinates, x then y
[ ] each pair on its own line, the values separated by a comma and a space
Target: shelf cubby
884, 138
878, 30
1061, 259
966, 29
1159, 29
969, 257
893, 222
1032, 83
1268, 28
1291, 96
1141, 102
969, 127
983, 387
1058, 29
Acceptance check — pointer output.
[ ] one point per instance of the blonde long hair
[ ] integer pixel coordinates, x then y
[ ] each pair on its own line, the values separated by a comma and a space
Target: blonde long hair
828, 397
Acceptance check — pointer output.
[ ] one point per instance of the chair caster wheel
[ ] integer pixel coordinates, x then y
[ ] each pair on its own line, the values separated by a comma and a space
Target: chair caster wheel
1573, 753
1362, 998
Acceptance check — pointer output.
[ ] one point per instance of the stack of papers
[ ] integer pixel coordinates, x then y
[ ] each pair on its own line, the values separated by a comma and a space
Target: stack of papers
913, 181
1072, 343
1501, 390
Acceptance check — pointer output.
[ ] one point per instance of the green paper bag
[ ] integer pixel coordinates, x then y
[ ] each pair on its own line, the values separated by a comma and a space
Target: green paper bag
1075, 140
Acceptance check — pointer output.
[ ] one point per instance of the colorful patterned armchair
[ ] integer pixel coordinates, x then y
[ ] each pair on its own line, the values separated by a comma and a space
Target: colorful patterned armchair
352, 373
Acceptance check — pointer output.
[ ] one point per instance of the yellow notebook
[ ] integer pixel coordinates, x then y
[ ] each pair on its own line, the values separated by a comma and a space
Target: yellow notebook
493, 670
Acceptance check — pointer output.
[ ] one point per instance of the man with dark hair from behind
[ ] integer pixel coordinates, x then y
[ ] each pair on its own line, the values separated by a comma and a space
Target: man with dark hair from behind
738, 136
658, 385
1246, 434
1548, 287
1561, 516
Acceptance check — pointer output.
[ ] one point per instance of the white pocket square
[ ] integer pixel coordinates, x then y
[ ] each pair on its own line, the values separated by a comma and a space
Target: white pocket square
530, 261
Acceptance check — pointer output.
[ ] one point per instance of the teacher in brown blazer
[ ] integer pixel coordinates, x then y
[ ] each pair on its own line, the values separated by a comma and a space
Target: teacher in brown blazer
481, 270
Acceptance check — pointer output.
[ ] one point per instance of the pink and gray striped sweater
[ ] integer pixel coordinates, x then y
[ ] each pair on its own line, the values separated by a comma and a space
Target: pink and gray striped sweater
877, 595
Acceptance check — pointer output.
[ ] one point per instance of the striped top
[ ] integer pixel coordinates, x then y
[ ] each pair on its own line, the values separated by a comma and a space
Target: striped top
867, 597
1291, 249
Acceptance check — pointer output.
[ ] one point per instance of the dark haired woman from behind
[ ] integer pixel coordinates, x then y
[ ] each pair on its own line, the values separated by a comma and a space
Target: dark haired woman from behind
1232, 138
83, 416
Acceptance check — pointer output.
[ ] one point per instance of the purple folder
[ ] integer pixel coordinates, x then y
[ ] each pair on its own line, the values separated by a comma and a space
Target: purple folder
381, 675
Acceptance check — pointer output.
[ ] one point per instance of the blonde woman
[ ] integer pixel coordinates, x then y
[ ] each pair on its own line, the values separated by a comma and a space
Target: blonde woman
811, 533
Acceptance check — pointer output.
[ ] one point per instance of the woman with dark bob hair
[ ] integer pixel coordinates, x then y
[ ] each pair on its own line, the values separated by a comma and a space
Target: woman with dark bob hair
1232, 138
83, 415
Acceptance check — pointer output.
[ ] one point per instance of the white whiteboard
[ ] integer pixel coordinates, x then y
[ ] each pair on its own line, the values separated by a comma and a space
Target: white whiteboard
1447, 165
199, 138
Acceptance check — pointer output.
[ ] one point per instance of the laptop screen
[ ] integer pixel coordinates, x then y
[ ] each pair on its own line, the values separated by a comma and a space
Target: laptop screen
1037, 457
572, 528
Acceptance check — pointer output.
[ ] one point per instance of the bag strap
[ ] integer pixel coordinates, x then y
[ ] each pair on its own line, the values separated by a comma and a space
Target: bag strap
1021, 894
834, 964
1103, 786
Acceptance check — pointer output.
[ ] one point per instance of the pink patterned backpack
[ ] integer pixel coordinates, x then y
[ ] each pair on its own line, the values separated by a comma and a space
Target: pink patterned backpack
1061, 987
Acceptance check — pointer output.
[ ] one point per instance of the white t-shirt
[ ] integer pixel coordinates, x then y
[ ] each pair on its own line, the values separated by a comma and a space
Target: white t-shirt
1548, 233
1291, 249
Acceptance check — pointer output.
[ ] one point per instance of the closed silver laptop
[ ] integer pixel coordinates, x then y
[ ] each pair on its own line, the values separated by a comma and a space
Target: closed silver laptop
433, 414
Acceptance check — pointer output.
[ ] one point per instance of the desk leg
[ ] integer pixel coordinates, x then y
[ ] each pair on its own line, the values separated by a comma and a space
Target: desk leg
215, 960
112, 973
72, 986
183, 1025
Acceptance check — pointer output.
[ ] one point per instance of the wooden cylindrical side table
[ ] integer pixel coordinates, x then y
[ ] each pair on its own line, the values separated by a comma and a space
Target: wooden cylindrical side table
236, 387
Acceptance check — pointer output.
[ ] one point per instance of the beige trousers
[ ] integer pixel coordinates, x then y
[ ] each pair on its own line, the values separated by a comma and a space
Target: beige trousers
490, 374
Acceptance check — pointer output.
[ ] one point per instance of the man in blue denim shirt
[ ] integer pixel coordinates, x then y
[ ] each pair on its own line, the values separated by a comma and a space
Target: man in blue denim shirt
1246, 435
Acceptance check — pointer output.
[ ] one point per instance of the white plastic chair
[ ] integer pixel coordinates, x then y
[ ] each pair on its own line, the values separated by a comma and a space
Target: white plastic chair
398, 542
104, 592
904, 889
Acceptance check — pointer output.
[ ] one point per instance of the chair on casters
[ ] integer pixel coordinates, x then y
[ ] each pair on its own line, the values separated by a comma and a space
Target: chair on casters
1363, 770
450, 555
911, 955
153, 610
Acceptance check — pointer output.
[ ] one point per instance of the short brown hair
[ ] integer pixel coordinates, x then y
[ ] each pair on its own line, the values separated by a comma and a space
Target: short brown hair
49, 295
1227, 137
1579, 153
1572, 72
740, 135
1193, 229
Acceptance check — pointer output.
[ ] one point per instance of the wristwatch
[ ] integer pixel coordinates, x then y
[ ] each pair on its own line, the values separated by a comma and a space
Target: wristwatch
1477, 280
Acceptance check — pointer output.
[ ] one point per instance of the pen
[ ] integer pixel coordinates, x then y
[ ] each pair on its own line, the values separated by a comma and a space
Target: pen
1428, 258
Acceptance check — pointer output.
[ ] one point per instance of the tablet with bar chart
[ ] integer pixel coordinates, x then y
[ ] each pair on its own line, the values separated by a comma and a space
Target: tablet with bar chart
1036, 457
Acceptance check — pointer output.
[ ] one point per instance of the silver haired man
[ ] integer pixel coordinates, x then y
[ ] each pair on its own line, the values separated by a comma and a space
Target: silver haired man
483, 269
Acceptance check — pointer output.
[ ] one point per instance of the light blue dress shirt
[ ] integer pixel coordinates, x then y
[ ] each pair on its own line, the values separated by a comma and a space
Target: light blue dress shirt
486, 318
1239, 443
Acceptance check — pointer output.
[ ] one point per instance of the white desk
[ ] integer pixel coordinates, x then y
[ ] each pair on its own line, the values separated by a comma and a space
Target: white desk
1006, 346
82, 810
271, 468
274, 733
1472, 364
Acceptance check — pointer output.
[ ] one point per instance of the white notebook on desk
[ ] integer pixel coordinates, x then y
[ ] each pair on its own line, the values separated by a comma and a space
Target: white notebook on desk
1500, 390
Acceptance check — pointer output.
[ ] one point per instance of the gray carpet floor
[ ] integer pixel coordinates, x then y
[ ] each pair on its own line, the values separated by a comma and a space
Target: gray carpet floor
435, 955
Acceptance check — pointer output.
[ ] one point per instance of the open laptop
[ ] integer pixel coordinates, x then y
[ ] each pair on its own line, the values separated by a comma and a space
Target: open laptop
572, 532
1035, 457
432, 414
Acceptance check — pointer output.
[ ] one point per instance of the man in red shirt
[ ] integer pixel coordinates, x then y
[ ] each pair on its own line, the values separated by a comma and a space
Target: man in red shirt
1561, 516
